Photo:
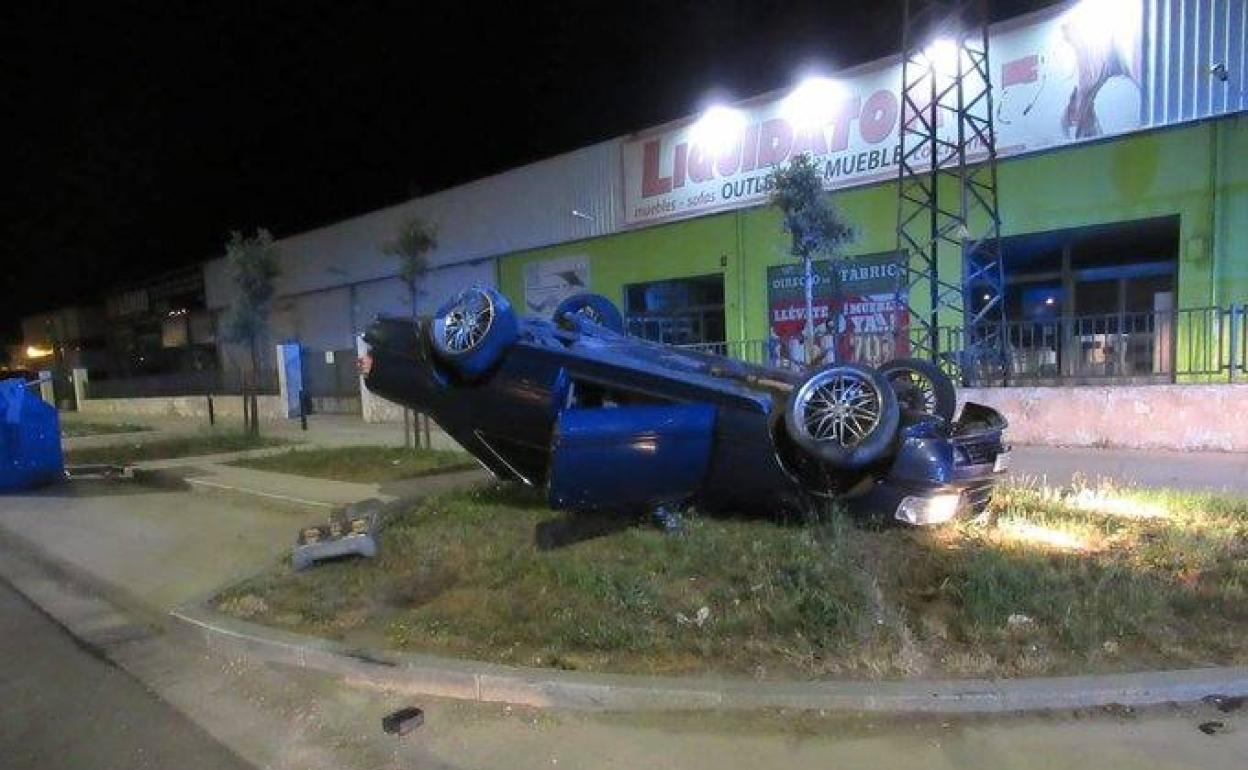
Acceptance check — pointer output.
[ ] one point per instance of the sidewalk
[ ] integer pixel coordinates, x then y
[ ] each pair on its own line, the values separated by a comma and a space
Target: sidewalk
160, 544
324, 430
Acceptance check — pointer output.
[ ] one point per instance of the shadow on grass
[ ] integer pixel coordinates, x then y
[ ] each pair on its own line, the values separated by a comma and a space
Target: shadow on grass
572, 528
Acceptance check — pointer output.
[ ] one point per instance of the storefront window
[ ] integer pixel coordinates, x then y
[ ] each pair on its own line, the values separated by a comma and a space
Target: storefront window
678, 311
1092, 302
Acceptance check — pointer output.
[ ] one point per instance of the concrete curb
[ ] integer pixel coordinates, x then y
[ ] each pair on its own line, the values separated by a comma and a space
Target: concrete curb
487, 682
202, 480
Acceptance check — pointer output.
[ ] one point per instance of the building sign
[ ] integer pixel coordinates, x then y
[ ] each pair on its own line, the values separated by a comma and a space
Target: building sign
1057, 78
856, 313
548, 282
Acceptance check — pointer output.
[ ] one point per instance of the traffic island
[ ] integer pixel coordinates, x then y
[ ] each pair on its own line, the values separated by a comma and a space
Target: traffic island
162, 447
361, 464
1047, 583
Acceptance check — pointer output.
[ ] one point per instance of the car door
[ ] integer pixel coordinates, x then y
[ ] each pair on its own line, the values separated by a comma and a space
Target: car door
629, 457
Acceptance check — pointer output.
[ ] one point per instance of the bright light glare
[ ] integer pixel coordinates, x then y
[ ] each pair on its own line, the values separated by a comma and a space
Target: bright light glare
33, 351
813, 103
1026, 532
1123, 507
1105, 17
942, 56
718, 128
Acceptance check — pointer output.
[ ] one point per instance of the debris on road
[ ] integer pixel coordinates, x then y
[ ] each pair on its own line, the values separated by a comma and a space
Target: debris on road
353, 531
1018, 622
1210, 728
699, 619
403, 721
1224, 703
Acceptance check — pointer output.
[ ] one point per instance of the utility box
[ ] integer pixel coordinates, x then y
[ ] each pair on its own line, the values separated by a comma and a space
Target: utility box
30, 439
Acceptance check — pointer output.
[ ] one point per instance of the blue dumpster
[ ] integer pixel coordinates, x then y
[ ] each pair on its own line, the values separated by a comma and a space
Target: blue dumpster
30, 439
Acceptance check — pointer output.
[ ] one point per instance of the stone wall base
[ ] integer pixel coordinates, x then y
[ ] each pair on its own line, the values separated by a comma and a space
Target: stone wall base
1184, 417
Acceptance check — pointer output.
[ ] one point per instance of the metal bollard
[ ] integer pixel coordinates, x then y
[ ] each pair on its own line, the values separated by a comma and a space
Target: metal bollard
303, 410
212, 415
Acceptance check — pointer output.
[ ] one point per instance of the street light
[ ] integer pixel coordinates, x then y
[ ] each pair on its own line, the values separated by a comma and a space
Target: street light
942, 56
813, 103
718, 128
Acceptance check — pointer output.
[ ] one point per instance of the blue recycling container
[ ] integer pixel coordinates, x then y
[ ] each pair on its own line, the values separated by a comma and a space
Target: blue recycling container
30, 439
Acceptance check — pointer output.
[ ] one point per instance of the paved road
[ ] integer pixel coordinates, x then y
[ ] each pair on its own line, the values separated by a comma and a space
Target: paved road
1221, 471
64, 707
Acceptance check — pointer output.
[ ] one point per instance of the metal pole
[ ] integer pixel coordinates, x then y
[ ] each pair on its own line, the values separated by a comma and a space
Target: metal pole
303, 410
212, 417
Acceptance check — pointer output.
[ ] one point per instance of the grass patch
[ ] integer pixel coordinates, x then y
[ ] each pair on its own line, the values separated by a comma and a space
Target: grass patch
79, 428
165, 448
1045, 583
368, 464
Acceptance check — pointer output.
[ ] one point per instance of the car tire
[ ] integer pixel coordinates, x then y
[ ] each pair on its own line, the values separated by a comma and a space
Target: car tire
844, 415
594, 307
921, 387
472, 330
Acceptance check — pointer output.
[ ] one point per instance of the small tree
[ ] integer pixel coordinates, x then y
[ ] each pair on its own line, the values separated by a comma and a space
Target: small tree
253, 268
814, 226
411, 247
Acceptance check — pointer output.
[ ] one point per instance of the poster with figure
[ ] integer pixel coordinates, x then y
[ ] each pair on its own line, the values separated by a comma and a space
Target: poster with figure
786, 301
857, 317
550, 281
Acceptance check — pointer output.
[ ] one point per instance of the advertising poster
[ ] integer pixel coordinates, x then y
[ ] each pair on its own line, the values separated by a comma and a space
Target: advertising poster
872, 324
1059, 77
550, 281
786, 305
857, 317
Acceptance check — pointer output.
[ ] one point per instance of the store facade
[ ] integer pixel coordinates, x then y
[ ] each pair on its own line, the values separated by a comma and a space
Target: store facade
1123, 183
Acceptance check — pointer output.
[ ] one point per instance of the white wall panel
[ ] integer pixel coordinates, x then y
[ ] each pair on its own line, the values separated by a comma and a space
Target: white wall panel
323, 319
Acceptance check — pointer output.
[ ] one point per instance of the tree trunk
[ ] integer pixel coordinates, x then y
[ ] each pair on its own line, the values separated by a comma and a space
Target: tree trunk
808, 270
412, 420
250, 392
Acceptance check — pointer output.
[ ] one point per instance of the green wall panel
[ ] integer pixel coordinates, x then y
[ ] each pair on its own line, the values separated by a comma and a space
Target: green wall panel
694, 247
1198, 172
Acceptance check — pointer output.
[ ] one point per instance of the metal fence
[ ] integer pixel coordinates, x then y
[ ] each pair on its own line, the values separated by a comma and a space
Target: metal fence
196, 383
1207, 344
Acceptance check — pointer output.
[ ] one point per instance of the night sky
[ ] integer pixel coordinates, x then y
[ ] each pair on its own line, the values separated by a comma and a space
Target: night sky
140, 134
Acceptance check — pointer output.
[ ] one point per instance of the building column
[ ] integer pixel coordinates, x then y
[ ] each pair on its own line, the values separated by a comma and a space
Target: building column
79, 376
290, 377
366, 395
47, 391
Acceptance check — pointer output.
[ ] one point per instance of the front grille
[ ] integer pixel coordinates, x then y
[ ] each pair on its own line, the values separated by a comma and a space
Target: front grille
980, 451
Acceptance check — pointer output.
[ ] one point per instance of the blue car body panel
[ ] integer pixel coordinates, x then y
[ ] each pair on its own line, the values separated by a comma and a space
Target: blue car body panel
629, 457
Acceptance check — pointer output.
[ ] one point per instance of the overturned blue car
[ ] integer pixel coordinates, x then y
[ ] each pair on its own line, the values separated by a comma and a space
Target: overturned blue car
607, 422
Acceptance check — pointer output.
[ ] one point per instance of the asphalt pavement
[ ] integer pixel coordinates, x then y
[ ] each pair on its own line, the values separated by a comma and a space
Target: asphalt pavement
64, 706
1216, 471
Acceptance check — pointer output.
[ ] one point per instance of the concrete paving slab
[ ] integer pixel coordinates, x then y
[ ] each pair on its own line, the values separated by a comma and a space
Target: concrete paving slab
162, 546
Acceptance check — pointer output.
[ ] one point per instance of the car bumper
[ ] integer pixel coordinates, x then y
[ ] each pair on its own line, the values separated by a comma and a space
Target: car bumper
930, 504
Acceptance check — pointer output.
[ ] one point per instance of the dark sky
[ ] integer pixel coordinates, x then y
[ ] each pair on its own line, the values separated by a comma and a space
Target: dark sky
141, 133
